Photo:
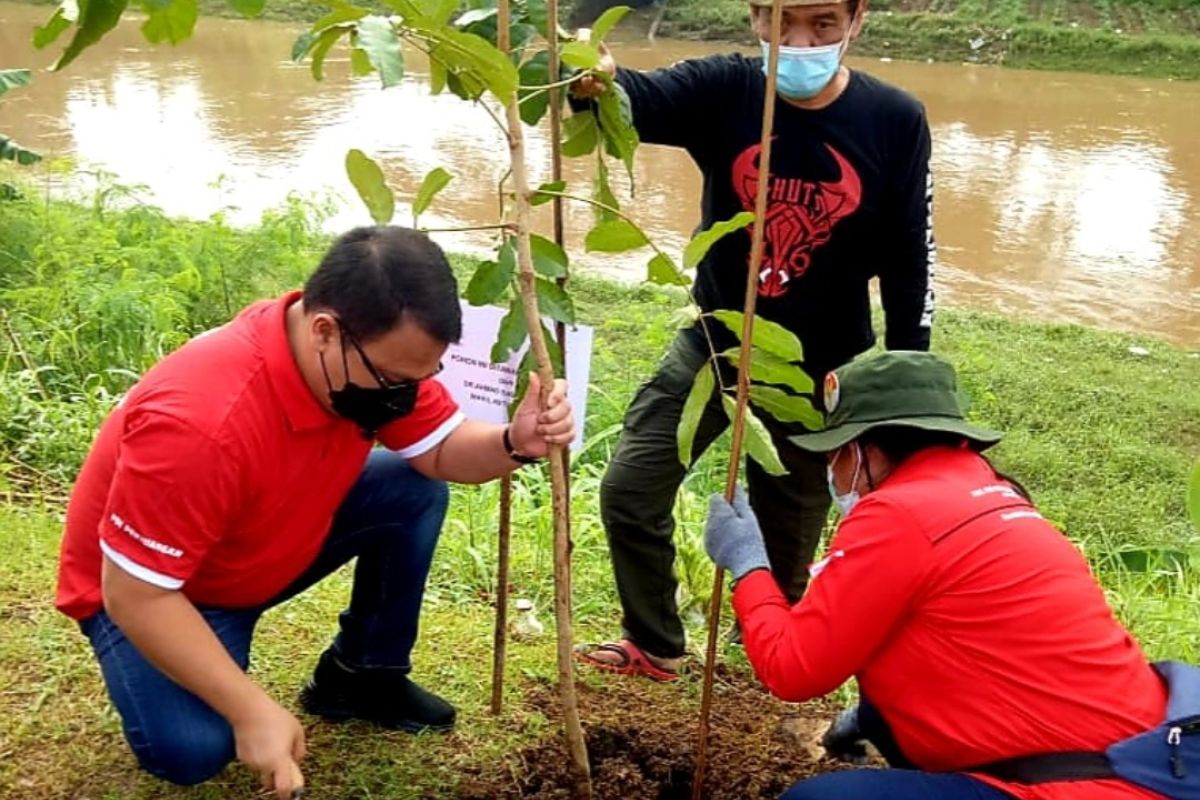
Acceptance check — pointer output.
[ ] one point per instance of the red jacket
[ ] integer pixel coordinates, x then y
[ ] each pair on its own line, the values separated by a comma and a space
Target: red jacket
972, 624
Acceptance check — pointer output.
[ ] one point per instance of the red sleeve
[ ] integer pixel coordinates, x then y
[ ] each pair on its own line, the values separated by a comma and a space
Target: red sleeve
857, 596
435, 417
172, 494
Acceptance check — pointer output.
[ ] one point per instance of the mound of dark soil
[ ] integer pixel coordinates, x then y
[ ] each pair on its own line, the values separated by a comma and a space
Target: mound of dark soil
641, 740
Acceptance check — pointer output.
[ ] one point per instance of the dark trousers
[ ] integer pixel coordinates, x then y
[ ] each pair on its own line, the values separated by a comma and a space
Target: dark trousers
390, 521
637, 499
892, 784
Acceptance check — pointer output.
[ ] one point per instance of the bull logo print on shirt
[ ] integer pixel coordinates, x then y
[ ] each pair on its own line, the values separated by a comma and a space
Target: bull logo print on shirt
800, 215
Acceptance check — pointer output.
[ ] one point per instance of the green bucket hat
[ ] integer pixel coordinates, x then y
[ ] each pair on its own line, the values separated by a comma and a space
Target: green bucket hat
894, 389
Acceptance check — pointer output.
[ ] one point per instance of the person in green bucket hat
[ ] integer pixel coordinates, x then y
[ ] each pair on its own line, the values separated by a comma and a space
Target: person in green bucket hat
975, 629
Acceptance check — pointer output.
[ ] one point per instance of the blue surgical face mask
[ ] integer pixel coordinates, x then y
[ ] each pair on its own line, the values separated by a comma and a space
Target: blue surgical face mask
845, 502
804, 71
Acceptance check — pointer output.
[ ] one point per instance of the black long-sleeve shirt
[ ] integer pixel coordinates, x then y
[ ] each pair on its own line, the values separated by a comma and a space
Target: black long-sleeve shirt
851, 198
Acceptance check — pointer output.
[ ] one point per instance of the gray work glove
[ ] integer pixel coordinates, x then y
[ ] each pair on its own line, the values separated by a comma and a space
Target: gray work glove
844, 740
732, 537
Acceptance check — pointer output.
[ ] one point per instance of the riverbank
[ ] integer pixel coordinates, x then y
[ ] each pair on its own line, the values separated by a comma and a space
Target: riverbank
1152, 38
1103, 428
1157, 38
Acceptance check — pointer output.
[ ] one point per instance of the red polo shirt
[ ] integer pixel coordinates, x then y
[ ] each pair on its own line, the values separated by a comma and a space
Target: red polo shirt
972, 624
219, 473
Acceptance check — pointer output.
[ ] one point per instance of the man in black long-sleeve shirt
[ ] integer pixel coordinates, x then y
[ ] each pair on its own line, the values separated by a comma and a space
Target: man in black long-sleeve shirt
850, 198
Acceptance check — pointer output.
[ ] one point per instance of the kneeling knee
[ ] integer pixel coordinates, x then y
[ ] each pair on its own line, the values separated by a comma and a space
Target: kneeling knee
187, 760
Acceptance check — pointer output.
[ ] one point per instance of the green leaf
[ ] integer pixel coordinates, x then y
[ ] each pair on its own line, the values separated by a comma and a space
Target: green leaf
757, 440
787, 407
372, 187
607, 22
554, 348
616, 124
769, 336
549, 260
441, 11
437, 76
247, 8
702, 242
538, 16
378, 39
540, 197
360, 63
303, 44
170, 21
476, 62
535, 104
342, 12
767, 367
490, 281
1193, 496
603, 194
580, 55
662, 270
615, 236
475, 15
431, 186
513, 332
321, 48
67, 13
581, 134
12, 78
11, 151
693, 410
554, 302
96, 18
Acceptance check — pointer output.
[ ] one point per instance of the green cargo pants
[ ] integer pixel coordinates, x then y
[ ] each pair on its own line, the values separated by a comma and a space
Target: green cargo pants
637, 500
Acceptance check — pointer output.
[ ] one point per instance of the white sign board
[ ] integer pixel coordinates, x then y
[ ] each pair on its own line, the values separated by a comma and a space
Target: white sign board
484, 390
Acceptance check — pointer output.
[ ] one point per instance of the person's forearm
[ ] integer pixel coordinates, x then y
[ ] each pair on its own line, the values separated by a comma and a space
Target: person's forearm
474, 453
170, 633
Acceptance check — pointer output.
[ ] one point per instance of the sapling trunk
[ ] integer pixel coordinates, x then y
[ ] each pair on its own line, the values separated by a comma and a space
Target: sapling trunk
743, 388
562, 567
500, 636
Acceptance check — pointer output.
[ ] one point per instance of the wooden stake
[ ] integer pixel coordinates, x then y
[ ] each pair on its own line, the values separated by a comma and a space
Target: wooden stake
743, 386
528, 289
500, 635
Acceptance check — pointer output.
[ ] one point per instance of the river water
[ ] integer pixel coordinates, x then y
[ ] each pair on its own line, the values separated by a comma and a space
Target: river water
1060, 197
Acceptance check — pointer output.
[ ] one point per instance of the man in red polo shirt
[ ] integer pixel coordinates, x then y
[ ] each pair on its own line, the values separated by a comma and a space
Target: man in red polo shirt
240, 470
975, 629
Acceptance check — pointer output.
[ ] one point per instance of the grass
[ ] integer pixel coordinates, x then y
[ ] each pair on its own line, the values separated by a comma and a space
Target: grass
1104, 439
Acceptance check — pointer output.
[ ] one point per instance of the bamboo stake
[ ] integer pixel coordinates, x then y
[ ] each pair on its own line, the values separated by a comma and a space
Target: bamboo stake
556, 173
500, 635
526, 282
743, 385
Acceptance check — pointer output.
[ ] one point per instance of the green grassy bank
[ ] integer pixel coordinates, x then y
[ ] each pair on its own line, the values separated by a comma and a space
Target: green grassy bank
90, 296
1136, 37
1158, 38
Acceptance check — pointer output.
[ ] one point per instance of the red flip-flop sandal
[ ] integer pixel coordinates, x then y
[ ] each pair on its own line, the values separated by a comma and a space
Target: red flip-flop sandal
633, 661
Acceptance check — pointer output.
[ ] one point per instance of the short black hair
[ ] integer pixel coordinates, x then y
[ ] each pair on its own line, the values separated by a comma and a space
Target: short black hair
899, 442
373, 278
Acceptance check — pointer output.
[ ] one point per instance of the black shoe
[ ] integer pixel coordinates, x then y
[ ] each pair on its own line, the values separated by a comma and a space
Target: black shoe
338, 692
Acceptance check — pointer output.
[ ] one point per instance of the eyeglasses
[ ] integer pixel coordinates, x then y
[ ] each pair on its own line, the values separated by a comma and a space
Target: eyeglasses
383, 384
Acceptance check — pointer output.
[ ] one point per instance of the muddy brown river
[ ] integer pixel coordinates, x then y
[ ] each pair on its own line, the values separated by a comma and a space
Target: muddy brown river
1060, 197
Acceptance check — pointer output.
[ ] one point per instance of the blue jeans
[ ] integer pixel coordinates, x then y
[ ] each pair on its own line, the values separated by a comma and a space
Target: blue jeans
892, 784
390, 521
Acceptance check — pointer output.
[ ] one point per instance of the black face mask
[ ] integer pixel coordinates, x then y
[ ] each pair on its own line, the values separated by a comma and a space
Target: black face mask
369, 409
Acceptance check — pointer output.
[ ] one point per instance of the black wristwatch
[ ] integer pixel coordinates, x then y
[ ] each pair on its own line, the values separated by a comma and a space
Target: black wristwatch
512, 452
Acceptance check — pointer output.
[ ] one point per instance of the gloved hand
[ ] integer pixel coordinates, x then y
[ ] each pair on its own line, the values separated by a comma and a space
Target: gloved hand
732, 537
844, 741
